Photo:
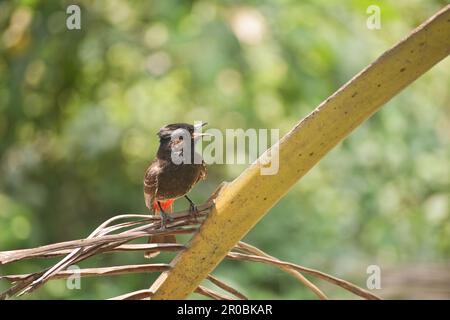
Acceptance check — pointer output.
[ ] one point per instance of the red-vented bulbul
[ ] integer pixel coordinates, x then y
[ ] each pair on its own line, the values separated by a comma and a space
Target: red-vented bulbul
165, 181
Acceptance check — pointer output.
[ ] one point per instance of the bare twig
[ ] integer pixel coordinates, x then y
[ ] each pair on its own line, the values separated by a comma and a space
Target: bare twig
211, 294
97, 242
145, 294
253, 250
104, 239
226, 287
135, 295
98, 272
22, 254
342, 283
182, 218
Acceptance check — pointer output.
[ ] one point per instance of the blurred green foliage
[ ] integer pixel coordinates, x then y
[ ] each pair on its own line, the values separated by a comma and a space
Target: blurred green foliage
79, 111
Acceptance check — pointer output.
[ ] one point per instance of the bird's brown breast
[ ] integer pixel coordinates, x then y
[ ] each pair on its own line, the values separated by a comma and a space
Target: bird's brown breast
166, 180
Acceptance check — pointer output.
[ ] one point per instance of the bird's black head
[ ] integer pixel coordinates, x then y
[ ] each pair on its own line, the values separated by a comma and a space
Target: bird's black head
173, 137
165, 133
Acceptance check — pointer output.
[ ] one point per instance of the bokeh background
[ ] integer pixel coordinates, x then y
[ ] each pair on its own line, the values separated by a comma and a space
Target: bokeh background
79, 111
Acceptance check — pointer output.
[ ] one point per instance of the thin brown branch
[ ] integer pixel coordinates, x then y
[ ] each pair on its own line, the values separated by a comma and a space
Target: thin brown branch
151, 247
102, 241
54, 249
99, 241
226, 287
98, 272
255, 251
146, 293
135, 295
92, 245
107, 243
339, 282
211, 294
182, 218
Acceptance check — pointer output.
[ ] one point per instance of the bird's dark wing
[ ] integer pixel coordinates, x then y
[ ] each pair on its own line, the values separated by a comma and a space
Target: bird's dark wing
151, 183
203, 172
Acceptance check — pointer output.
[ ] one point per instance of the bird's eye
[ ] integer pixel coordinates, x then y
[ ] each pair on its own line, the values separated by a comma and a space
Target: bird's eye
180, 138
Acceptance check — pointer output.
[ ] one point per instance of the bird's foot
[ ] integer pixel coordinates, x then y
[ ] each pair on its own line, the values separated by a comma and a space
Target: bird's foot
164, 219
193, 211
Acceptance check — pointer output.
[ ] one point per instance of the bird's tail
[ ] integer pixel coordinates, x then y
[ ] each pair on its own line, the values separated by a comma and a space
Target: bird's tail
167, 206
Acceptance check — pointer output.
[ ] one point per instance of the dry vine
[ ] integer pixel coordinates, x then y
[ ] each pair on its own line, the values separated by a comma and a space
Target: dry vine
112, 236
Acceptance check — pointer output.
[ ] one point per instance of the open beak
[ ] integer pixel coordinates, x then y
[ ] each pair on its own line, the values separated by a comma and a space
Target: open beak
198, 135
198, 126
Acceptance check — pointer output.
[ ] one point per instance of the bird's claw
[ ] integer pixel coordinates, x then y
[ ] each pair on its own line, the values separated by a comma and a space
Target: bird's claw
164, 219
193, 211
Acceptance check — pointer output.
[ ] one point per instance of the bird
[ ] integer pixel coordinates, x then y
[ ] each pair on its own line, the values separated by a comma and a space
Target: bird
166, 180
